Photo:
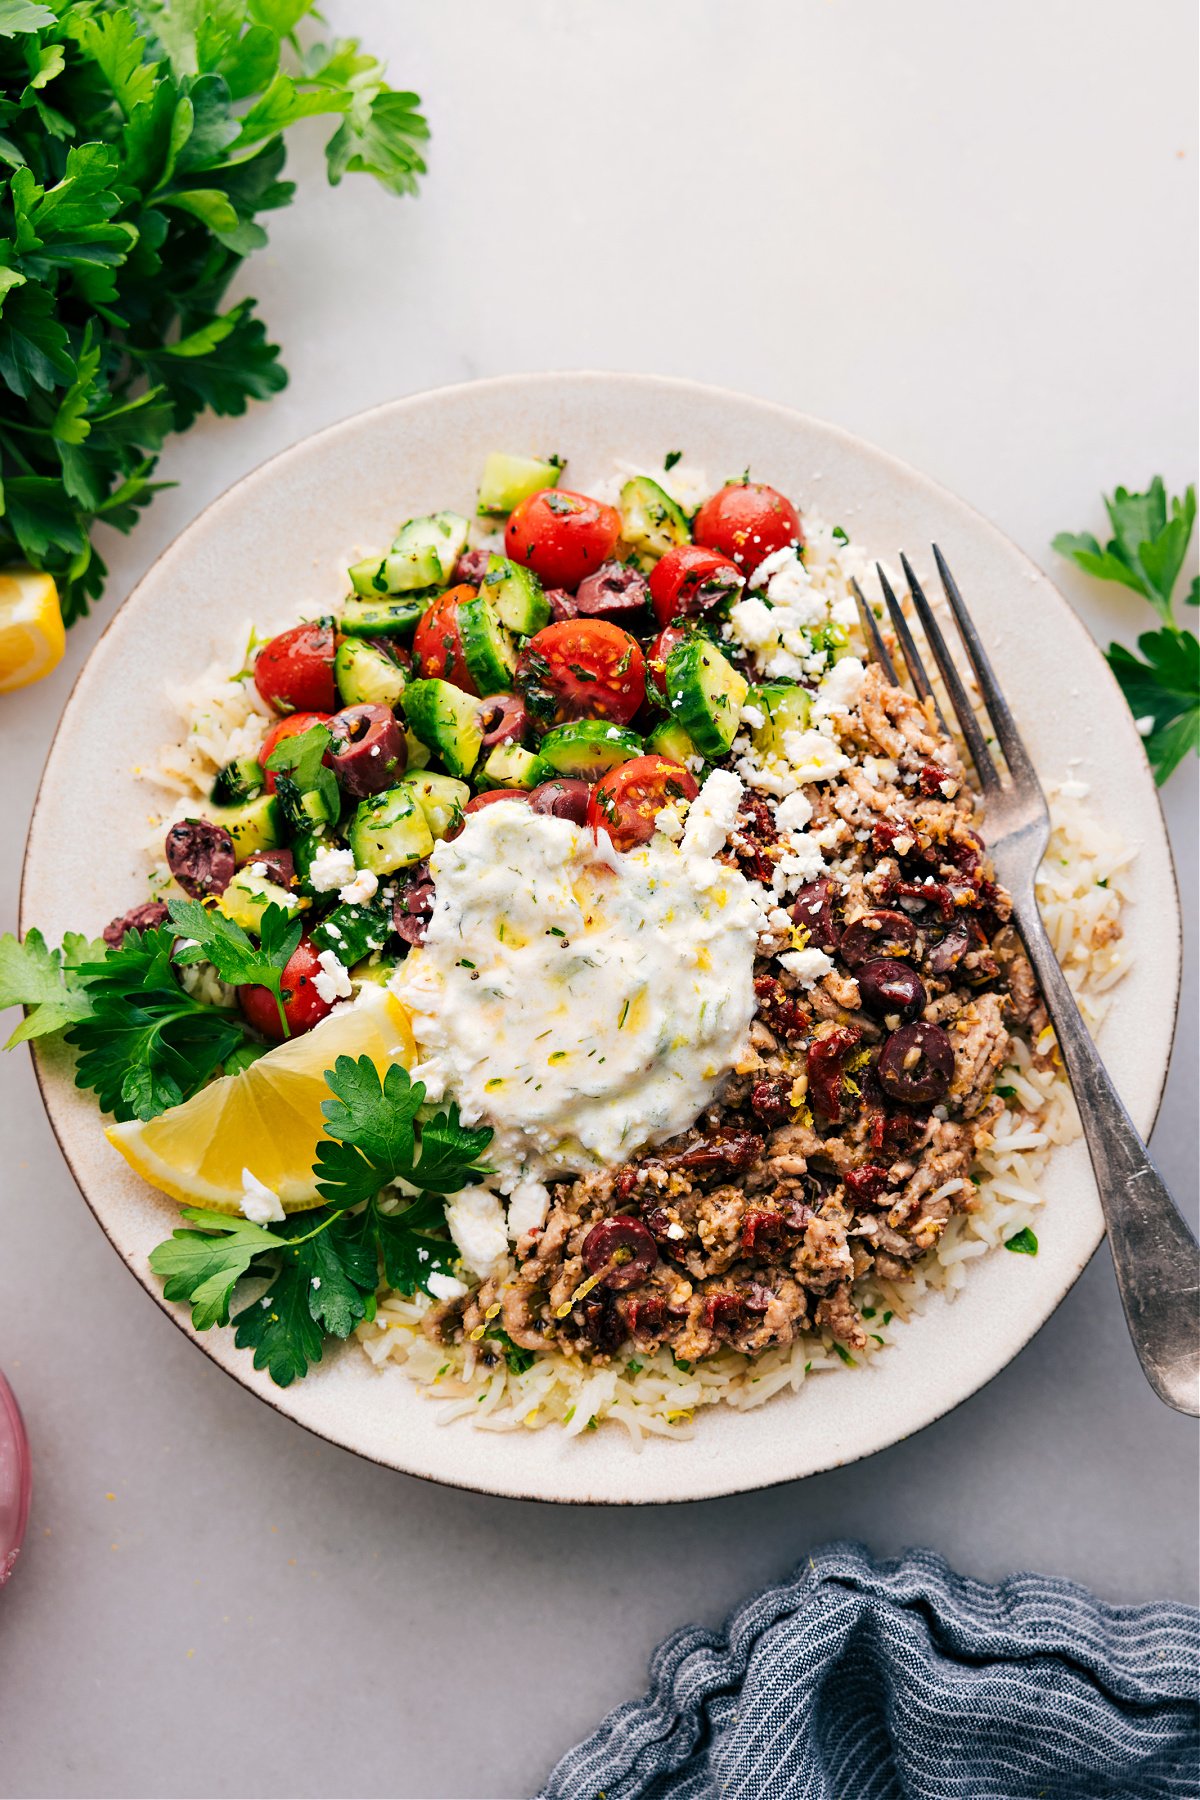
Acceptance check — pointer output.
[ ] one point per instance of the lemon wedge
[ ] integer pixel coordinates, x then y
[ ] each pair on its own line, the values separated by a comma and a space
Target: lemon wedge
31, 628
268, 1119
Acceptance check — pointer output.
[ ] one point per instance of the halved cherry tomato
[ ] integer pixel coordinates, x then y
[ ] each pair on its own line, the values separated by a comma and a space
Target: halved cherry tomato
437, 642
747, 521
294, 672
667, 640
562, 536
582, 669
630, 798
690, 579
292, 726
302, 1005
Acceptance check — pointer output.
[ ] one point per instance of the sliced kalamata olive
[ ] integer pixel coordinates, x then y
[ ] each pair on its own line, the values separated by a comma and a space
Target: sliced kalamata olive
471, 567
502, 719
566, 797
146, 917
624, 1248
200, 856
887, 986
562, 605
916, 1063
944, 956
878, 933
367, 751
412, 908
614, 591
813, 909
278, 866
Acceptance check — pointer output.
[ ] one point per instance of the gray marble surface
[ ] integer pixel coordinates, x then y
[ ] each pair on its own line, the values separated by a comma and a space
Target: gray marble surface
966, 233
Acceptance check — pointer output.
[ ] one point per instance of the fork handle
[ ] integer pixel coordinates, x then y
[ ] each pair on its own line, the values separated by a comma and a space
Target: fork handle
1153, 1251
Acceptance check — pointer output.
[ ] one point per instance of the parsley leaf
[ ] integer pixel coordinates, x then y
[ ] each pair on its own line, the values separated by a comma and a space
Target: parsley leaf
1022, 1243
205, 1266
45, 982
301, 756
1146, 553
410, 1255
1163, 692
139, 149
377, 1140
146, 1044
211, 937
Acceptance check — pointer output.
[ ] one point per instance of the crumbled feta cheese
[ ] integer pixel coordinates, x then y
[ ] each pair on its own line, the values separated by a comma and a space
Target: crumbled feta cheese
446, 1287
813, 756
753, 716
840, 689
333, 983
753, 624
363, 888
669, 821
330, 868
712, 813
793, 812
801, 863
528, 1205
476, 1221
807, 965
260, 1204
1145, 725
258, 869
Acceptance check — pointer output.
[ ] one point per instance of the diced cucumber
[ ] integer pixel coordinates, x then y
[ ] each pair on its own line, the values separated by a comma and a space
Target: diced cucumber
366, 676
785, 706
247, 898
255, 825
419, 754
444, 718
507, 480
517, 596
588, 747
445, 533
651, 522
512, 766
304, 808
441, 798
399, 572
670, 739
705, 693
382, 617
487, 646
352, 932
389, 831
237, 781
375, 969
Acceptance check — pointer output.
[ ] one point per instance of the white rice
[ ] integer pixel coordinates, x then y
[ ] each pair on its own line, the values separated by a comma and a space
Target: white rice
1081, 892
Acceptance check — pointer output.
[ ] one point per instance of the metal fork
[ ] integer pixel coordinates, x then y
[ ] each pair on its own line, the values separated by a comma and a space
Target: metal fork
1153, 1251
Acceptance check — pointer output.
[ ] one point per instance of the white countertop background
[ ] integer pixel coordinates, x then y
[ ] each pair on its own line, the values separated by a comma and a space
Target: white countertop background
966, 233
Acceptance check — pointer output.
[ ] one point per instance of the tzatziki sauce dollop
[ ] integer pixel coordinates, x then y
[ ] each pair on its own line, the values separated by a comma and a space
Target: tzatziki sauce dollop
582, 1003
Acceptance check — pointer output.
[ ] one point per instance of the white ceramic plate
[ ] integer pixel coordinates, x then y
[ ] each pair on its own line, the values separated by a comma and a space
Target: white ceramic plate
279, 542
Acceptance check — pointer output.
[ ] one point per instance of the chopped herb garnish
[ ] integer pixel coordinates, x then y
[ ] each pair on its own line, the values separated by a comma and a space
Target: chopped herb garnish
671, 458
1024, 1243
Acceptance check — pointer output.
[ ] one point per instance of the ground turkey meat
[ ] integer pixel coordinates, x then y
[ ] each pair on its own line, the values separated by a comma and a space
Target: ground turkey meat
848, 1140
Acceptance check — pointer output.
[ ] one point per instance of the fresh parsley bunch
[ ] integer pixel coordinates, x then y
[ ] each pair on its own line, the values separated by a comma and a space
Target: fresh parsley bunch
1146, 553
321, 1269
144, 1042
140, 143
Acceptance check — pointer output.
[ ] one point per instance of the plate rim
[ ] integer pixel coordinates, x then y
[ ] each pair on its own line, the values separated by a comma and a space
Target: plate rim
523, 381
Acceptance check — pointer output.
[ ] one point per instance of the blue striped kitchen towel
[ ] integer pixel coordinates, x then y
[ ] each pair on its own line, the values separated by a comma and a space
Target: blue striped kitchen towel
864, 1680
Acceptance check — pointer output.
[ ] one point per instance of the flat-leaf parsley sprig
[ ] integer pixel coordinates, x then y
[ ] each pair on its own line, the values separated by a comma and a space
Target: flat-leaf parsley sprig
144, 1042
1146, 553
321, 1269
208, 936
